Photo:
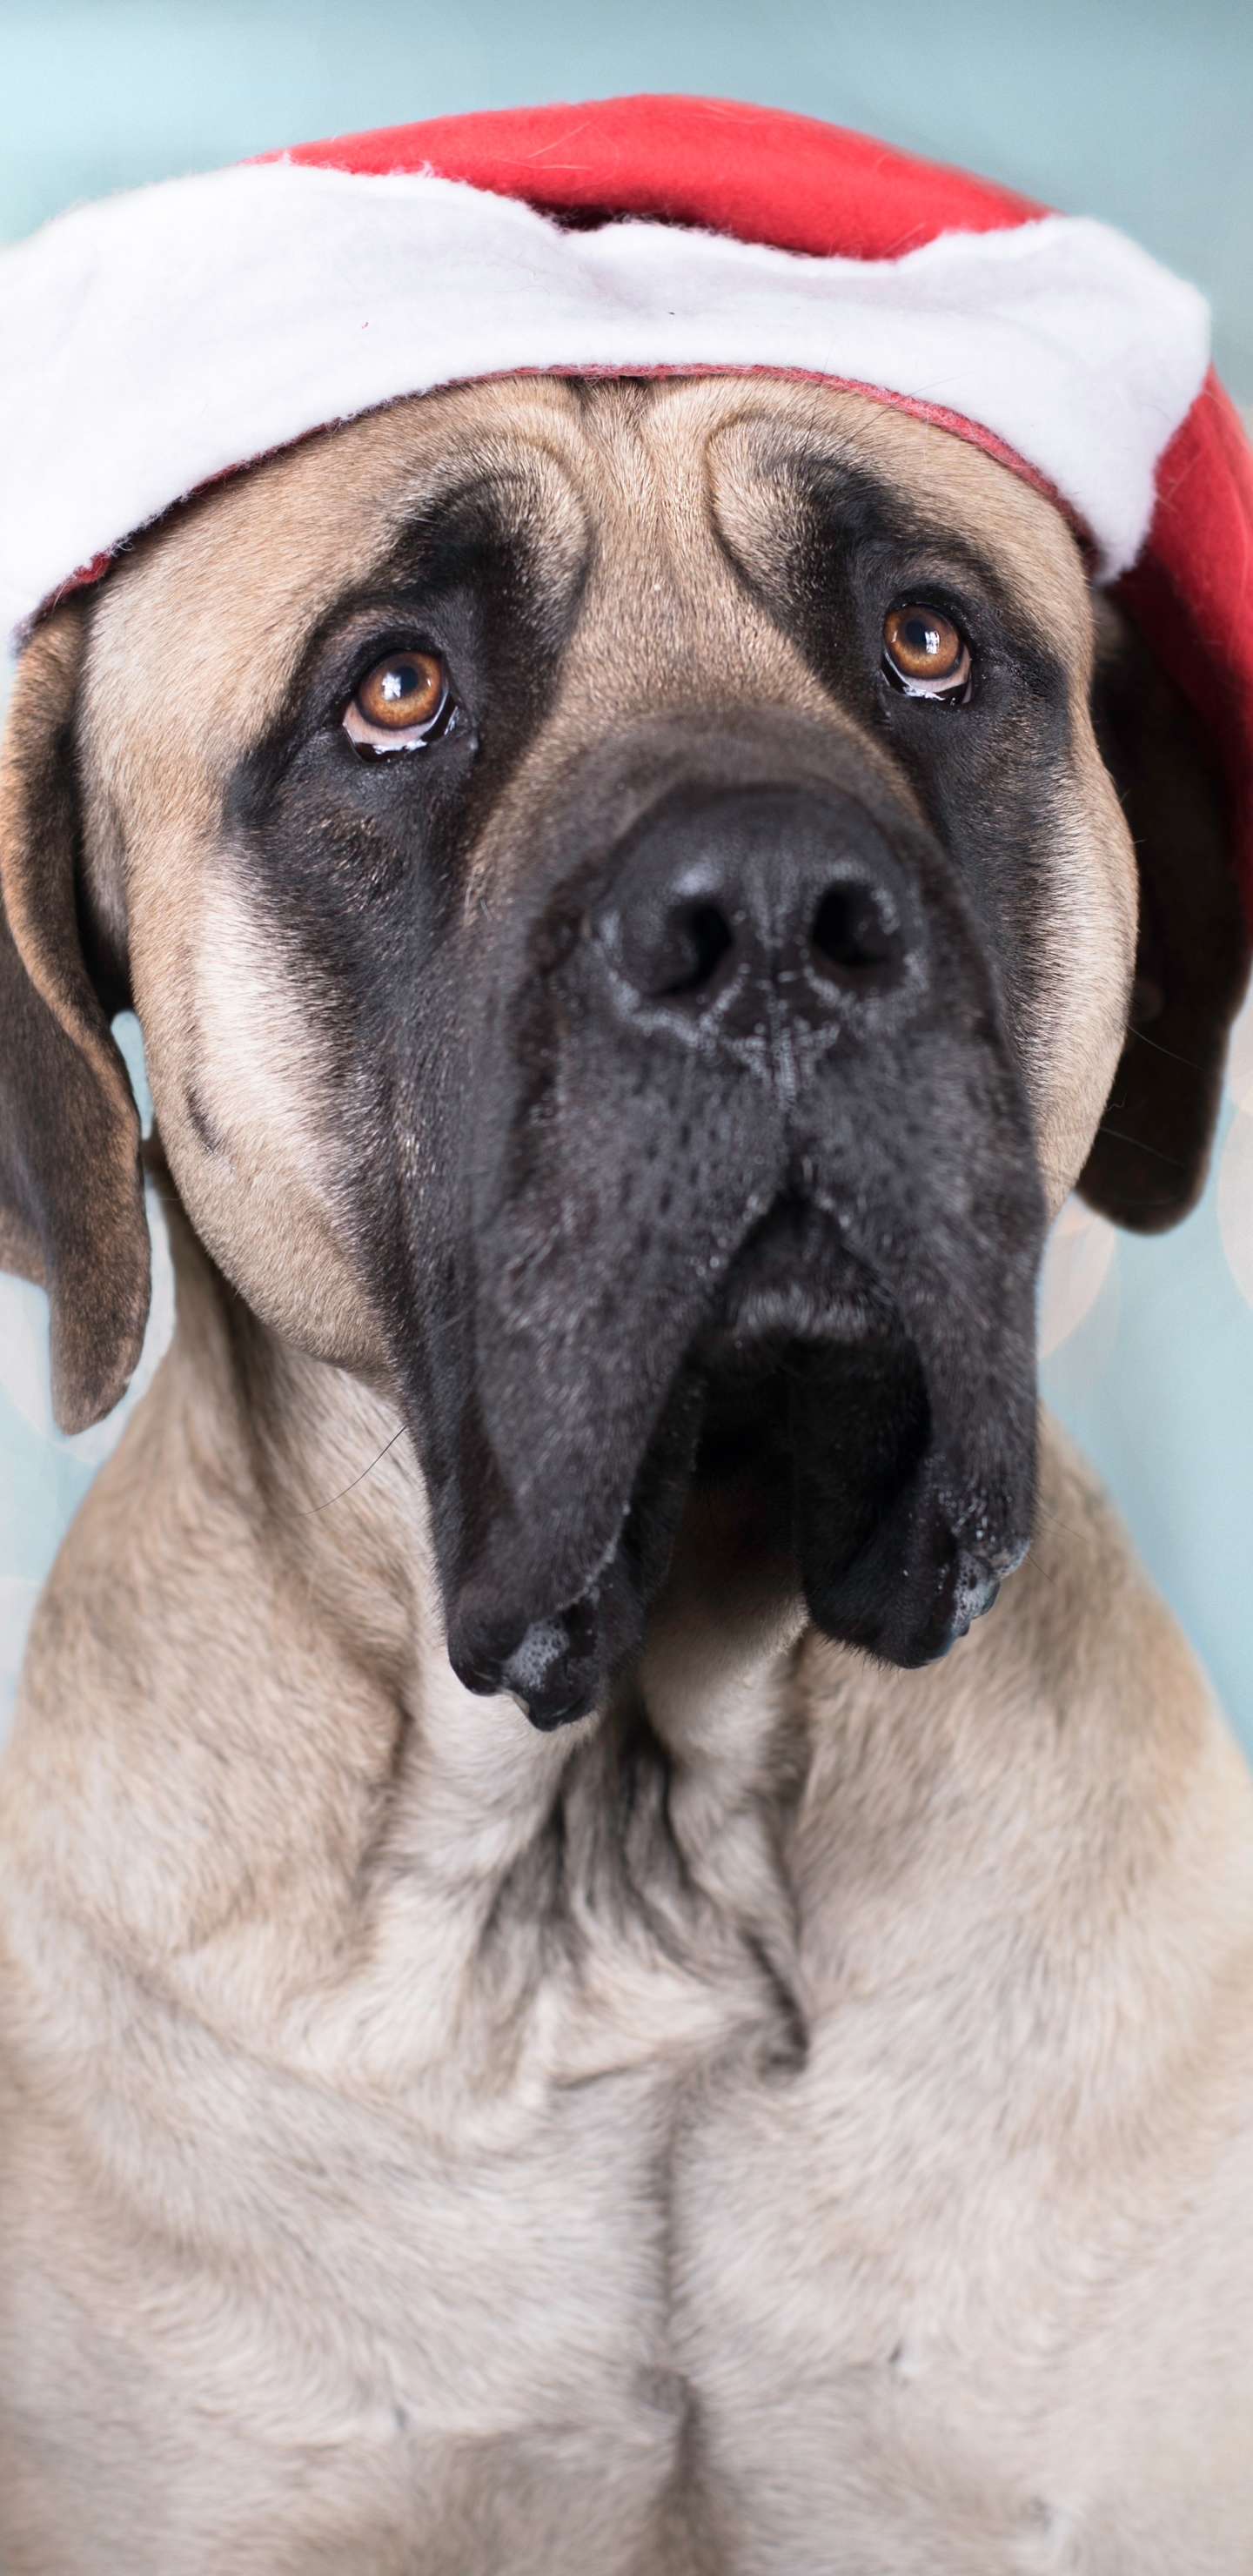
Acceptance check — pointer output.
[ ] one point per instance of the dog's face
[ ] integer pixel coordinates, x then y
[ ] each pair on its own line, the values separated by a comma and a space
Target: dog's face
633, 934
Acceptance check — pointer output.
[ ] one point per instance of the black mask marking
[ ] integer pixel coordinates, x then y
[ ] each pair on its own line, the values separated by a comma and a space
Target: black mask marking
698, 1155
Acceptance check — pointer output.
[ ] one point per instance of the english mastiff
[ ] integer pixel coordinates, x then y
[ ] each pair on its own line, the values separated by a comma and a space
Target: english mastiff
545, 2032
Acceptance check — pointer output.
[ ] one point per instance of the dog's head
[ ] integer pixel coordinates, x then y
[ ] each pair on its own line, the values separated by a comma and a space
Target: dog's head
634, 928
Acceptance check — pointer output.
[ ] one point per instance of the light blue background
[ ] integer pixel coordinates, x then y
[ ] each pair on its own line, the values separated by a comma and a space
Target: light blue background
1137, 110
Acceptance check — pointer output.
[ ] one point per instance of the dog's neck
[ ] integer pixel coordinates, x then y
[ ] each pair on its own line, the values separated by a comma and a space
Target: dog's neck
370, 1813
415, 1881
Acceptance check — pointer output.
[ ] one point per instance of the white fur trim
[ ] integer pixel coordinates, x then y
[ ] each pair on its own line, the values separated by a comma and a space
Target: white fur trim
155, 339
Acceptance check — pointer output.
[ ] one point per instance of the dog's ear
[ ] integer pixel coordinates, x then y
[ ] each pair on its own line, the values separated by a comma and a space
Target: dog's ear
1147, 1166
71, 1187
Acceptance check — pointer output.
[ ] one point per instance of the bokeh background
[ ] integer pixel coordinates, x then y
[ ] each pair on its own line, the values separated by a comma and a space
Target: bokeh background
1137, 110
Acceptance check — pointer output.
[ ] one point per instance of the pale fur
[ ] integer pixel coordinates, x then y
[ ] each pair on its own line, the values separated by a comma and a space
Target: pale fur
430, 2146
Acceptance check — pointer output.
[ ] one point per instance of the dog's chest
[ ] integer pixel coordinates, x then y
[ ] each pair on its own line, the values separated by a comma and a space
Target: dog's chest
577, 2289
496, 2239
582, 2013
602, 2208
652, 2247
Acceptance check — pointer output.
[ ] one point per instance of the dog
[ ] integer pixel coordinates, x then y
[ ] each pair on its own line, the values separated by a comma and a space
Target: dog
548, 2022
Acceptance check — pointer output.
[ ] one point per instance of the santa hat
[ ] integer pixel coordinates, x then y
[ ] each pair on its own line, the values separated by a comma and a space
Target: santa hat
155, 341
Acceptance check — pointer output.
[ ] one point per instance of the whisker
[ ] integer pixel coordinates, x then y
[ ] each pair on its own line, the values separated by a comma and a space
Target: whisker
1058, 1523
1118, 1138
307, 1511
1159, 1049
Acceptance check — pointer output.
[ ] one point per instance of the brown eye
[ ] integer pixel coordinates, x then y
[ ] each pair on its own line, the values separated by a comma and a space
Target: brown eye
398, 702
924, 655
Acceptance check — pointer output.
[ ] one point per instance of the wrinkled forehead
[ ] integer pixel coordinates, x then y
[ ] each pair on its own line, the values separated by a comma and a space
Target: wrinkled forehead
616, 480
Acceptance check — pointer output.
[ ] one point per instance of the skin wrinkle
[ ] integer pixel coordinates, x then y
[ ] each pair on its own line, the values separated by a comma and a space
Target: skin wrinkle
801, 2110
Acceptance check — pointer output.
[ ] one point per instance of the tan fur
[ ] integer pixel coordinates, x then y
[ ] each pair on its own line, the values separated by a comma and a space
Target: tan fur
389, 2181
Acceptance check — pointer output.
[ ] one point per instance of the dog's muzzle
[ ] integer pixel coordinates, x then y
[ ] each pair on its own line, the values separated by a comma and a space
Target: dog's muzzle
750, 1196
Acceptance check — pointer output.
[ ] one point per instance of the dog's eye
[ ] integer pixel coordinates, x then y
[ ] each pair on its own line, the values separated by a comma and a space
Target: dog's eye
924, 655
399, 704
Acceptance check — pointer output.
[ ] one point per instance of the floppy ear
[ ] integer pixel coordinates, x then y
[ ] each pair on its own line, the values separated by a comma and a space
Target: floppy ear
1147, 1166
71, 1188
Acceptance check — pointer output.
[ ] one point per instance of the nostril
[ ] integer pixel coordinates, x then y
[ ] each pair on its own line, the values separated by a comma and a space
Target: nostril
853, 931
698, 936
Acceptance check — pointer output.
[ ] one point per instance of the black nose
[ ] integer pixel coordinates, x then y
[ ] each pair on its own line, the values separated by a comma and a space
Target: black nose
729, 905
